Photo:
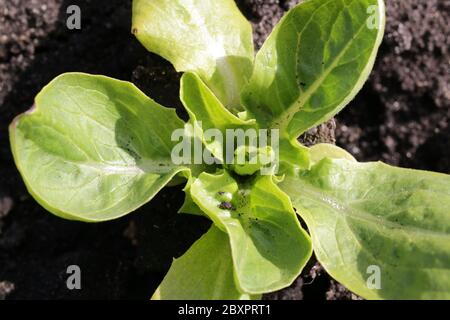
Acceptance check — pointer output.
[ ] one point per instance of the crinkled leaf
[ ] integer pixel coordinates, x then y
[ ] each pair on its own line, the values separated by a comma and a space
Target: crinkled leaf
209, 37
314, 62
204, 272
268, 245
202, 105
189, 206
362, 215
206, 110
293, 157
94, 148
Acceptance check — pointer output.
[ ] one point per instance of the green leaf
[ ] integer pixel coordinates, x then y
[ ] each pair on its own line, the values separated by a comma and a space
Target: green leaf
314, 63
189, 206
293, 157
94, 148
362, 215
203, 106
209, 37
268, 245
204, 272
326, 150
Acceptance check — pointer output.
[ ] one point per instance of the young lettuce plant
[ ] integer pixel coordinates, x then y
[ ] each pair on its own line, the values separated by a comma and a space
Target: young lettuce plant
93, 149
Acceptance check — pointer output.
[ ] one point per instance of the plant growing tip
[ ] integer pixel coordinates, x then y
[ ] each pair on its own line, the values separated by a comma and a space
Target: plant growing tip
99, 148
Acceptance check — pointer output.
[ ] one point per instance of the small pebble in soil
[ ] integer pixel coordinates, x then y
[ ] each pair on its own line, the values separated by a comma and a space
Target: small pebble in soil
6, 204
6, 288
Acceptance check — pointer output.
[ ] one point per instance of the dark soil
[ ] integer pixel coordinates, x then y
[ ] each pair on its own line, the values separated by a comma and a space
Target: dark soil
401, 116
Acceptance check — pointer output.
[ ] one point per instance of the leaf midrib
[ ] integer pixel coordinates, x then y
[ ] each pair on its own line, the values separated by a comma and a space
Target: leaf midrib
289, 113
145, 166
